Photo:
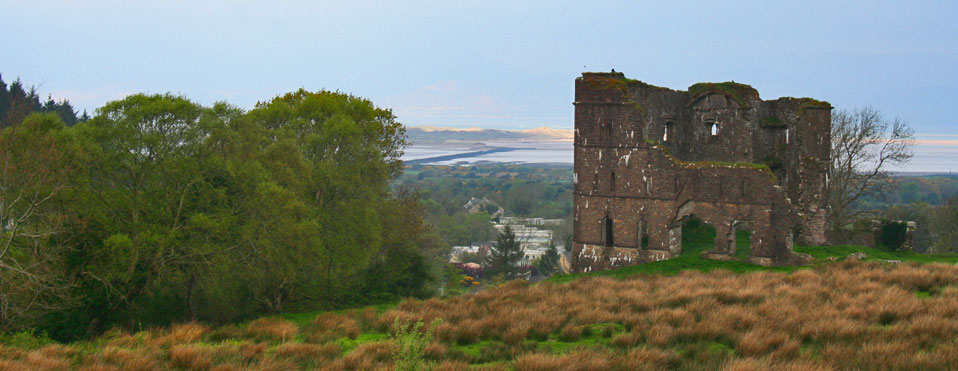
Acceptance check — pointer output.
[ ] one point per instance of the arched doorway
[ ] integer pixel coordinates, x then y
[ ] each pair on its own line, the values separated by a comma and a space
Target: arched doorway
740, 239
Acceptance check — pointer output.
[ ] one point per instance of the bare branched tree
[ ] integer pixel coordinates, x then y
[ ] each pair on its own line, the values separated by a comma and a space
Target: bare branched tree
33, 173
864, 146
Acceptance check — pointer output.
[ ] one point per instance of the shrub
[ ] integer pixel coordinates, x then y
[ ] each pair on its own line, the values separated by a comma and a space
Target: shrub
410, 342
26, 340
570, 333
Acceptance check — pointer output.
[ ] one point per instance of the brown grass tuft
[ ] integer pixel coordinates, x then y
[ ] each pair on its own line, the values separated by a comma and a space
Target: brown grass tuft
369, 356
128, 359
582, 360
646, 359
435, 351
271, 329
250, 351
298, 351
451, 366
759, 342
331, 326
38, 361
189, 357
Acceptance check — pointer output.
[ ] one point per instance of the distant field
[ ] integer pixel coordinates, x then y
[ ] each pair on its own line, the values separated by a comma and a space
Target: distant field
686, 313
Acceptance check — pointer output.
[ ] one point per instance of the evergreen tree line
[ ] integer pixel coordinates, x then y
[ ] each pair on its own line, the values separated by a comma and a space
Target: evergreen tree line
158, 210
17, 102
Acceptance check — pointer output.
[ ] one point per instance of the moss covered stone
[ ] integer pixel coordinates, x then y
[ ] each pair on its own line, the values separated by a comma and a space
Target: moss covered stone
740, 93
771, 122
805, 103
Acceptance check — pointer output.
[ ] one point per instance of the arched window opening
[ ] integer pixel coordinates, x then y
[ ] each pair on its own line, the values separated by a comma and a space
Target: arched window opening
786, 135
607, 228
612, 182
713, 128
642, 236
667, 133
595, 181
608, 130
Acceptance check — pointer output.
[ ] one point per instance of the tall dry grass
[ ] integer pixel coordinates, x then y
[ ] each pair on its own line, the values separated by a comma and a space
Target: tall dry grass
849, 315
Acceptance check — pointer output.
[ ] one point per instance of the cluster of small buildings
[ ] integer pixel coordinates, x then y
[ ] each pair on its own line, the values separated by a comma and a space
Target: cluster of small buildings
535, 242
534, 239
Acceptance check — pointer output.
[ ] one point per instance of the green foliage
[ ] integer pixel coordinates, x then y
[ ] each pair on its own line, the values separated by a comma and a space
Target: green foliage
25, 339
410, 341
166, 211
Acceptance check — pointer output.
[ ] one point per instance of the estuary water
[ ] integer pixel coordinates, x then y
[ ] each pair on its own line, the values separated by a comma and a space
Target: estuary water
931, 156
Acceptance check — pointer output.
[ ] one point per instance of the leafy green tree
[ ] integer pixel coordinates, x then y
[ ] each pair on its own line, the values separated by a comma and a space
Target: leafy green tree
410, 256
329, 157
147, 192
505, 256
522, 197
158, 209
462, 229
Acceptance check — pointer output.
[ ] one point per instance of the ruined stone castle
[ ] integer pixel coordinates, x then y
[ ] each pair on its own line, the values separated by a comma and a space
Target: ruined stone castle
647, 158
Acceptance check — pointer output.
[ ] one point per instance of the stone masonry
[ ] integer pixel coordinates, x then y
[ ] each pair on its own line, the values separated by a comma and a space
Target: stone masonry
647, 158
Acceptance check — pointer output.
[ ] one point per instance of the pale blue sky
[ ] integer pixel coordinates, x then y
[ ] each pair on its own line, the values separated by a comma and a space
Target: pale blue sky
495, 64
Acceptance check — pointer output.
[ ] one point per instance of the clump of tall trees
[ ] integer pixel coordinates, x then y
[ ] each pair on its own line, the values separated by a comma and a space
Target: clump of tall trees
158, 209
17, 101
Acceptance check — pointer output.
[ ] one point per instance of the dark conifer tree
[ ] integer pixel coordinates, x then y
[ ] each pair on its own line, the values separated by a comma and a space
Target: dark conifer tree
549, 263
505, 256
4, 100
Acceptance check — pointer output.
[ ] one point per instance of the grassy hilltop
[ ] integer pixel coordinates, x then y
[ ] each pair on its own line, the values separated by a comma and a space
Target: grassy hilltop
685, 313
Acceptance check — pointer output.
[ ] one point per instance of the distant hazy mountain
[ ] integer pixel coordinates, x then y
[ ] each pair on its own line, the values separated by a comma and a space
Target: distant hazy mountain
435, 134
